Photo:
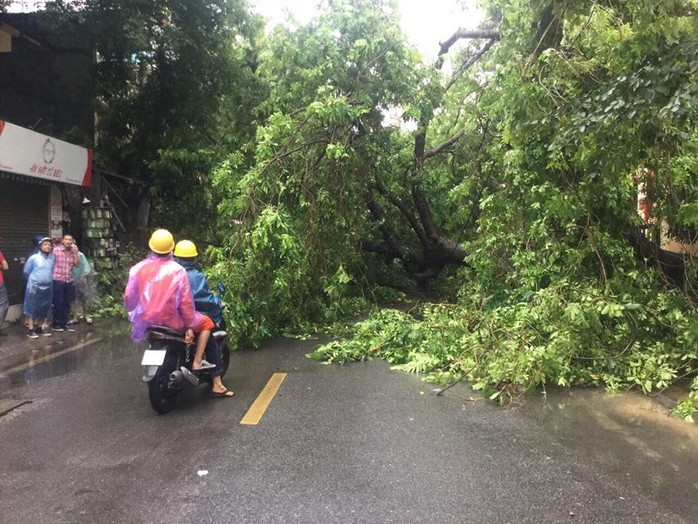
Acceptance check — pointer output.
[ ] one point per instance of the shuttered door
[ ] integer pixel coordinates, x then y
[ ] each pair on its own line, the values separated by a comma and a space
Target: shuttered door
24, 213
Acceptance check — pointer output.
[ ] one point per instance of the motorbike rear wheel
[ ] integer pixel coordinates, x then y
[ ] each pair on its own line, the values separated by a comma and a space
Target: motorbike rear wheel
225, 359
161, 398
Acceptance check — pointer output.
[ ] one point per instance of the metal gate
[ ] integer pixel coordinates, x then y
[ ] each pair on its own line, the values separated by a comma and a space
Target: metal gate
24, 213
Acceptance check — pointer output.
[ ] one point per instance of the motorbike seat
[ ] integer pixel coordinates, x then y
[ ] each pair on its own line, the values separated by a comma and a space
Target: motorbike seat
160, 332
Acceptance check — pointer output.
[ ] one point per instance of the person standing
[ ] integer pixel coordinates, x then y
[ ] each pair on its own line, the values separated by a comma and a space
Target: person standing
78, 308
36, 243
4, 302
66, 258
38, 271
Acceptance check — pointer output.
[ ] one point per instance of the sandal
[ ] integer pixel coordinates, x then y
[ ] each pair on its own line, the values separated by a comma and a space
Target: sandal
205, 364
222, 394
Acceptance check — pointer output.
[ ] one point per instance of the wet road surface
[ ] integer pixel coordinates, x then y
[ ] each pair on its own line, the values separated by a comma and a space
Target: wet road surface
355, 443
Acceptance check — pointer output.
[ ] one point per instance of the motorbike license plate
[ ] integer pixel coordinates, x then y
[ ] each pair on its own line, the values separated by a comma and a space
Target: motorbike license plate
153, 357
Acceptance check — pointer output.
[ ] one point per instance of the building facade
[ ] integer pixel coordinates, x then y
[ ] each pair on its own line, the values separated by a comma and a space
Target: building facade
44, 77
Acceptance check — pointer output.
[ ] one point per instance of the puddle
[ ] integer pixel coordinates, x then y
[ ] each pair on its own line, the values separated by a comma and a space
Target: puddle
55, 357
631, 436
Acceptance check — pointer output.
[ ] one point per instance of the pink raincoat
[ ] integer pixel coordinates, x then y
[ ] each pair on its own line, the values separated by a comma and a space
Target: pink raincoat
158, 293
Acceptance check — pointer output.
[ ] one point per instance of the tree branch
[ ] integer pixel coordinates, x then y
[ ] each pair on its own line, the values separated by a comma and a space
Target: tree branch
469, 63
488, 34
438, 149
406, 212
425, 214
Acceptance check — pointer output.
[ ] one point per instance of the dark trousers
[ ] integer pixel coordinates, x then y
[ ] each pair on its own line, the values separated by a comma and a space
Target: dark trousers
213, 355
63, 295
5, 303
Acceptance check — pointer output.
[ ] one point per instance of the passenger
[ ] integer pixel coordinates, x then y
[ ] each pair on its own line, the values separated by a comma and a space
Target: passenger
158, 293
38, 271
205, 301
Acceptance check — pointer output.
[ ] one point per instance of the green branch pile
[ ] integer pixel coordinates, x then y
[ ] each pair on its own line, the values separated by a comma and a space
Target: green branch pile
565, 334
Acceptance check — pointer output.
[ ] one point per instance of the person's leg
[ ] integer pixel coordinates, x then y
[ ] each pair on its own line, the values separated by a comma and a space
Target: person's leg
39, 328
88, 318
218, 389
201, 342
204, 333
68, 298
213, 355
4, 306
28, 310
31, 331
58, 299
75, 307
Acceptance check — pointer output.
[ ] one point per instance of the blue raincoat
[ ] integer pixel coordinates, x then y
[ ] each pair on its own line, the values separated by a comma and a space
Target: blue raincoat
205, 300
83, 269
38, 272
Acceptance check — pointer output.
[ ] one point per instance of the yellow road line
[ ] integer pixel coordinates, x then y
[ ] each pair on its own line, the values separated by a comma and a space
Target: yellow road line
51, 356
260, 405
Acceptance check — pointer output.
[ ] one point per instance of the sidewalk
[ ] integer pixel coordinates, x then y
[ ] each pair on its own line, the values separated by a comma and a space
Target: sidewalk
17, 351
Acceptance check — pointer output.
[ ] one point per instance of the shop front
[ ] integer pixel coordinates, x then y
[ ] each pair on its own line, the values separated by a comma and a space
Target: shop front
35, 169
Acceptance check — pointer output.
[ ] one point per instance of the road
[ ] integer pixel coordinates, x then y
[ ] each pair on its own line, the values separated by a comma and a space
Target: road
358, 443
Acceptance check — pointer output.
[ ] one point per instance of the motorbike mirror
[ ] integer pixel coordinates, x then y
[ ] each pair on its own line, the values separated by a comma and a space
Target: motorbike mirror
221, 288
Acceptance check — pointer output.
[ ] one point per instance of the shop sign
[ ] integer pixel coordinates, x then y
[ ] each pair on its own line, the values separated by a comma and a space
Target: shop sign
29, 153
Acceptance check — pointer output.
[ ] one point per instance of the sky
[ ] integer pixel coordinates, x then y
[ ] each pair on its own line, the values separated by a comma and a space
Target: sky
425, 23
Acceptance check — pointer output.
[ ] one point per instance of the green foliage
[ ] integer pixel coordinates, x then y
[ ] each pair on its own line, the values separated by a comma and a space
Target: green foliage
687, 408
566, 335
267, 276
112, 283
293, 220
554, 291
175, 90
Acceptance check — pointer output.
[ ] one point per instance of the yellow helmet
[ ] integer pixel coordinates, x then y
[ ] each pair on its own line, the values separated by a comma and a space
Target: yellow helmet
186, 249
161, 241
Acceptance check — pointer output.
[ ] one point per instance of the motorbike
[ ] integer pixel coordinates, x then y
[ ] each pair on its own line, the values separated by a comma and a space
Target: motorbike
168, 366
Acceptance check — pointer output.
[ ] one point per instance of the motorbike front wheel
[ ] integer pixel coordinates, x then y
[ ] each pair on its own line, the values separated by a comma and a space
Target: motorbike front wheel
161, 398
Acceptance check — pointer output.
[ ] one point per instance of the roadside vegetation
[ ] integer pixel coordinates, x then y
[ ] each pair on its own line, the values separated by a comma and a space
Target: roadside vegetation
490, 197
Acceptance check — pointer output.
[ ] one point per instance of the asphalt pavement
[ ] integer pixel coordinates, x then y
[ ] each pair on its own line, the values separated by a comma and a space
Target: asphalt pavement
359, 443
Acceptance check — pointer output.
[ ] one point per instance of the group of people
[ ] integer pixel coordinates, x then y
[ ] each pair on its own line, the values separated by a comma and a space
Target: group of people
52, 275
166, 289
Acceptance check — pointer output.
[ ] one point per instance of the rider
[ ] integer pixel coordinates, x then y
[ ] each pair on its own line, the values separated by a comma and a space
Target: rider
158, 293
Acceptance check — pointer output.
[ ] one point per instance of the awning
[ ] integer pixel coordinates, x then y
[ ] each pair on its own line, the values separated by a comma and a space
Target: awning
29, 153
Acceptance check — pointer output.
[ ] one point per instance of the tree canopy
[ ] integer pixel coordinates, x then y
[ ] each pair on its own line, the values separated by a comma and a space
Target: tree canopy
505, 186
